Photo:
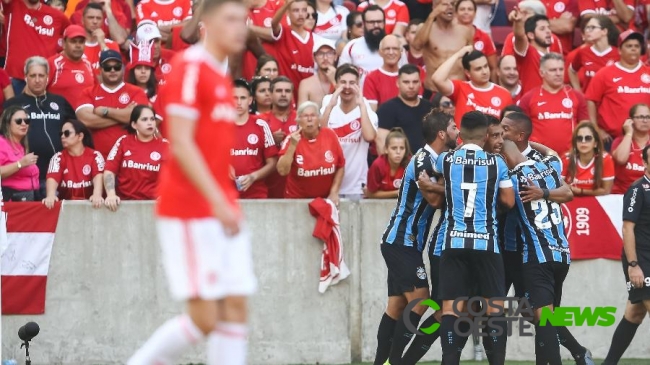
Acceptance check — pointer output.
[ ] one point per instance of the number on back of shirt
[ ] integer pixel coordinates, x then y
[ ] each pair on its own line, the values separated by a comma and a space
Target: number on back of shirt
543, 218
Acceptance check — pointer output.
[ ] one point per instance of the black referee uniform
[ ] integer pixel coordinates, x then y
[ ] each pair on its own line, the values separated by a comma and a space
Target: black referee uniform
636, 209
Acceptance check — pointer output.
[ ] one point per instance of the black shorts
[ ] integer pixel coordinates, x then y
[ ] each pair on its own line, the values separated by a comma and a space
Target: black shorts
638, 295
467, 273
434, 265
512, 262
406, 271
543, 283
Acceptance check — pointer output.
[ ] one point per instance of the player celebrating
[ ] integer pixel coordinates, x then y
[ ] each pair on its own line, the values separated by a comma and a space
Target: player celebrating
474, 182
206, 251
405, 237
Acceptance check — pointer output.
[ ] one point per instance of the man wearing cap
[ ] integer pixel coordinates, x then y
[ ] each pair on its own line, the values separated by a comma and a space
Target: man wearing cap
70, 71
96, 41
107, 106
148, 32
616, 88
114, 23
314, 88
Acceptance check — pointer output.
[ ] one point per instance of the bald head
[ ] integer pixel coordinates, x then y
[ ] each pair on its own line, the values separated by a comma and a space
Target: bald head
390, 50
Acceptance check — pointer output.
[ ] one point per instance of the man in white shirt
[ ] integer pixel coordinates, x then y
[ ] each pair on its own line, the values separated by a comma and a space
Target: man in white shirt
349, 115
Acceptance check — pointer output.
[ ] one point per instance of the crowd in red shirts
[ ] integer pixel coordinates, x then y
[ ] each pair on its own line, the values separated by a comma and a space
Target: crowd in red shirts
340, 86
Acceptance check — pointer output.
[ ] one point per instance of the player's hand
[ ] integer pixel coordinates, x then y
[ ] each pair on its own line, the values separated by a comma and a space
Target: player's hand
246, 181
604, 136
226, 215
465, 50
424, 182
335, 97
49, 201
627, 126
279, 136
636, 276
296, 136
531, 192
96, 200
112, 202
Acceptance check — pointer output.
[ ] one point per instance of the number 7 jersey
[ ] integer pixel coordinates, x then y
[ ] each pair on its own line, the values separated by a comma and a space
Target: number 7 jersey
541, 221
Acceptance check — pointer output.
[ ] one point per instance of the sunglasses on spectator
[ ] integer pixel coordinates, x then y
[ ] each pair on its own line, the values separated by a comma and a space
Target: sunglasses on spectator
642, 117
67, 133
20, 121
358, 24
311, 15
117, 67
584, 138
446, 104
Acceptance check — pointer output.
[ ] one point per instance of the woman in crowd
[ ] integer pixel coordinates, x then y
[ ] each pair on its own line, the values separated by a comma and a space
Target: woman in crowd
311, 158
354, 22
626, 149
444, 103
312, 16
141, 70
386, 172
267, 66
600, 33
587, 167
76, 173
133, 165
331, 20
261, 91
17, 165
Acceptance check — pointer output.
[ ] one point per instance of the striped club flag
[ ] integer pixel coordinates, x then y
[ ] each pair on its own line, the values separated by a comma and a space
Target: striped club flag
26, 260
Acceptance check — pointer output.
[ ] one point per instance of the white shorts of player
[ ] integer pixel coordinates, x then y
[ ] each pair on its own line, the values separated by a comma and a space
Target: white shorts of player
202, 262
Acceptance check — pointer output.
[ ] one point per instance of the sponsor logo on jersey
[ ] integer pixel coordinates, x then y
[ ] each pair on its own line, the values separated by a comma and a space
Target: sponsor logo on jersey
140, 166
560, 115
244, 152
321, 171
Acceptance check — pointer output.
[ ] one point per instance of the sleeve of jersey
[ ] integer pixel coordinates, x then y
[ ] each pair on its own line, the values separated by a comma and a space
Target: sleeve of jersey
555, 163
85, 100
54, 170
183, 92
270, 150
565, 161
374, 177
504, 178
403, 16
346, 56
632, 204
438, 166
98, 163
489, 48
114, 158
370, 89
608, 167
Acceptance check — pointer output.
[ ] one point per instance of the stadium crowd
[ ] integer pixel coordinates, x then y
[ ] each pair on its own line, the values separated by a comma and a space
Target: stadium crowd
80, 83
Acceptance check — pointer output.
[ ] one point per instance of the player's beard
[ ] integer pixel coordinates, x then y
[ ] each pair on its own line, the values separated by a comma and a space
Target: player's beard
450, 143
374, 40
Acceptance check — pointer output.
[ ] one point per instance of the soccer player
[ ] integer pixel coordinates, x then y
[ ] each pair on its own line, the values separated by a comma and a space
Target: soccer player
206, 249
405, 237
636, 262
546, 255
475, 182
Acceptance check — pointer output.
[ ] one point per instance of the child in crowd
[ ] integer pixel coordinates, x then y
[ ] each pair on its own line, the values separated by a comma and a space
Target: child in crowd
385, 174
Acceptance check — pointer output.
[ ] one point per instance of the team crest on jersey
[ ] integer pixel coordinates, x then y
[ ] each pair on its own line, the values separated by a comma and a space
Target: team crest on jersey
479, 45
391, 13
155, 156
397, 183
252, 139
496, 101
567, 103
293, 128
79, 78
559, 7
86, 170
645, 78
610, 62
566, 216
421, 273
166, 68
267, 22
178, 11
355, 125
54, 106
646, 186
48, 20
124, 98
329, 156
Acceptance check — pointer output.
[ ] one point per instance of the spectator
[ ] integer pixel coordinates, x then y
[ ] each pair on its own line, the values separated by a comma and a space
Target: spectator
282, 122
148, 33
105, 107
386, 172
315, 87
294, 44
117, 6
76, 173
588, 168
254, 153
444, 103
600, 34
46, 112
331, 20
141, 70
381, 84
260, 15
479, 93
563, 16
618, 87
310, 172
70, 73
349, 115
465, 13
96, 41
532, 41
164, 13
114, 23
261, 89
25, 38
620, 12
626, 149
18, 165
508, 76
554, 108
6, 90
413, 54
354, 22
312, 17
529, 8
56, 4
133, 165
267, 66
405, 111
396, 12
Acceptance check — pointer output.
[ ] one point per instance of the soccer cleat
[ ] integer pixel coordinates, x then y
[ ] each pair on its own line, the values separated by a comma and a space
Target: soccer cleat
585, 359
386, 363
478, 353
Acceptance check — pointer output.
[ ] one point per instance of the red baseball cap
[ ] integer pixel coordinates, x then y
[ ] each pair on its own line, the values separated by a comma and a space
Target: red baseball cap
631, 34
73, 31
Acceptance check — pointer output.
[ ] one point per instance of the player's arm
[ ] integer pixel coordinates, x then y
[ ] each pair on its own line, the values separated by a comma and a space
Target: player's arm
86, 115
521, 40
564, 24
593, 112
506, 191
546, 151
575, 81
632, 207
441, 79
432, 191
380, 142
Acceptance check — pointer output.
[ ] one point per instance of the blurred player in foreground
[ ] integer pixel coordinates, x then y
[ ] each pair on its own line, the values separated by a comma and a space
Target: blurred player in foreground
206, 249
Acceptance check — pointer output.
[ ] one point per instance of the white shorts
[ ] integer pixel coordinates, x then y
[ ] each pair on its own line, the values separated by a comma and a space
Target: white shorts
202, 262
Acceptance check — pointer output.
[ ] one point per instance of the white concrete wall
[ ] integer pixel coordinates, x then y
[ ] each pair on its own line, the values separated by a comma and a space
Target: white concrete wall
106, 290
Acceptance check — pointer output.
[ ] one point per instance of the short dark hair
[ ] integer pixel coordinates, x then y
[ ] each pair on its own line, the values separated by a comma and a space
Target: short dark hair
408, 69
416, 21
523, 122
135, 115
92, 6
473, 120
241, 83
280, 79
511, 108
471, 56
531, 23
79, 127
346, 68
373, 8
646, 151
492, 120
435, 121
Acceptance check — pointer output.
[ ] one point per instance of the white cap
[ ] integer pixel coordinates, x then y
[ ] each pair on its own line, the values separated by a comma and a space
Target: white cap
323, 42
147, 31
